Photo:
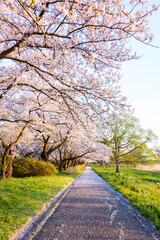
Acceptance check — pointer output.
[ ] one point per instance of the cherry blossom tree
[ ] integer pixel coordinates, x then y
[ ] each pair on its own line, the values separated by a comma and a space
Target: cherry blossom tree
81, 144
49, 127
95, 30
59, 64
51, 45
43, 37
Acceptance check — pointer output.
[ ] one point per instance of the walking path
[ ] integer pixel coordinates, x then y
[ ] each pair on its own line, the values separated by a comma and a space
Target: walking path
92, 209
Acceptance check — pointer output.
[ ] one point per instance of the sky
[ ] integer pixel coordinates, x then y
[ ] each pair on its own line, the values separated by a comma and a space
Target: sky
141, 80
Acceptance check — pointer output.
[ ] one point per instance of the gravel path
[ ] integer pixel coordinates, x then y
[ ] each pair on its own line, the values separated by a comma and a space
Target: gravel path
92, 209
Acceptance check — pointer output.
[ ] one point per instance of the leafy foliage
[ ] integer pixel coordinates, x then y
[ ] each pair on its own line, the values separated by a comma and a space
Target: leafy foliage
27, 167
127, 138
142, 155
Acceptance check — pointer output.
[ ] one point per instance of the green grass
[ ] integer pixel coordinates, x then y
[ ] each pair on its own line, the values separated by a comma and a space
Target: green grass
21, 198
141, 188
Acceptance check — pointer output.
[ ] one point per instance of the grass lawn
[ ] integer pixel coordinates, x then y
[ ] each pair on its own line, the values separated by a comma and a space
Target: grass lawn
21, 198
141, 188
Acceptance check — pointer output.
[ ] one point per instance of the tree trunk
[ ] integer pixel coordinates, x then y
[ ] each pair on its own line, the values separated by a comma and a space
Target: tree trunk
68, 163
7, 158
4, 165
61, 161
116, 155
10, 167
64, 167
117, 165
44, 154
61, 165
7, 161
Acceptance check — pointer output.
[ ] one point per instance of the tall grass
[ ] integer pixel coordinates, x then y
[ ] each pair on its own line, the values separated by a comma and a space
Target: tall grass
141, 188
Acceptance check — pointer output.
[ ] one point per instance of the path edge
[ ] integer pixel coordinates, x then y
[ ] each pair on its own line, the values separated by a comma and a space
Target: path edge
145, 222
33, 224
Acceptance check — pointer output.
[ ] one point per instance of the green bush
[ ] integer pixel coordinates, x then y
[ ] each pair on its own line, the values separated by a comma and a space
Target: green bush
27, 167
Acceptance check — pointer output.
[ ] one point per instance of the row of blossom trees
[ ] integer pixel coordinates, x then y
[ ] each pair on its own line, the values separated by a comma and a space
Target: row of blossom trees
59, 81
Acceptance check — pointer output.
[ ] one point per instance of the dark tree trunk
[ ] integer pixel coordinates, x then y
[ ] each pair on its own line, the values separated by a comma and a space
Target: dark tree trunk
64, 166
61, 166
7, 158
4, 165
44, 154
61, 161
68, 163
47, 152
117, 165
7, 161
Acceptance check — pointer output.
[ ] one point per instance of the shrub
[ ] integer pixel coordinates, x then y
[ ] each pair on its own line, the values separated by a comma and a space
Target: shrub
71, 170
27, 167
79, 167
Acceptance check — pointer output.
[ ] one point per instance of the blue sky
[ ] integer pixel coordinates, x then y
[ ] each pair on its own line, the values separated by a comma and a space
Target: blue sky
141, 80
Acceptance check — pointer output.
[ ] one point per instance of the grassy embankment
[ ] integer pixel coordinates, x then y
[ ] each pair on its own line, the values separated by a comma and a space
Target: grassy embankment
141, 188
21, 198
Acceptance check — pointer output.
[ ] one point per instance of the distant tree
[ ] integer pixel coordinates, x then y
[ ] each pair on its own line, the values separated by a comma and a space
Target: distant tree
127, 138
157, 152
78, 145
47, 151
141, 155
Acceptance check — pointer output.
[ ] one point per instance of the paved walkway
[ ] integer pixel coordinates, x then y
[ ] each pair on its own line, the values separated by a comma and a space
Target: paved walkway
92, 209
